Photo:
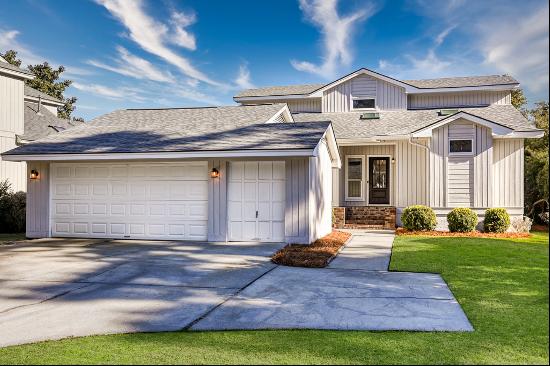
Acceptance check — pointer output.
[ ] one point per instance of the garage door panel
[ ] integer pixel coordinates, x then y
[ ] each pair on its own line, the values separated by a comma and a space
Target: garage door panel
145, 201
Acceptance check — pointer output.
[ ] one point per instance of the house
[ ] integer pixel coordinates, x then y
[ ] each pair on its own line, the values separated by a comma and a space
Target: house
284, 164
26, 115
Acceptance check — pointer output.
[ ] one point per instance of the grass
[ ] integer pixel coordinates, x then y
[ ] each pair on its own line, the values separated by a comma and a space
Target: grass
11, 237
316, 255
501, 283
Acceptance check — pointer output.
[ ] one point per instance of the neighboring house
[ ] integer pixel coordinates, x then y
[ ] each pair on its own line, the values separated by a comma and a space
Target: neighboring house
284, 164
26, 115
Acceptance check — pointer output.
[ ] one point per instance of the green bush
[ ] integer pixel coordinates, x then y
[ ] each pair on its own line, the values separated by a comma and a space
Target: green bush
497, 220
12, 209
418, 217
462, 220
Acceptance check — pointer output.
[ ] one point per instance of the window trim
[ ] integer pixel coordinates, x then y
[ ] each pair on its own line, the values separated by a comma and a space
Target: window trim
362, 197
363, 97
466, 153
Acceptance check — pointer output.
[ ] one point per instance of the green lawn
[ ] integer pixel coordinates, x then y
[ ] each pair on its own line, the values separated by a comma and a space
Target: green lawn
501, 283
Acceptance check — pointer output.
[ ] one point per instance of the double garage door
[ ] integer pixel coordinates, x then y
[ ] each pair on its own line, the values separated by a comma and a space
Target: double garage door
165, 200
138, 201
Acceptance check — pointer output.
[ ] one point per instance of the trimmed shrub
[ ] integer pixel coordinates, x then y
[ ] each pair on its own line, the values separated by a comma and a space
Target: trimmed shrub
418, 218
12, 209
462, 220
497, 220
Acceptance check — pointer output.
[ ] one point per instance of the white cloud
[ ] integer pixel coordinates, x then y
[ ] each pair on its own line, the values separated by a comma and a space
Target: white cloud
521, 51
337, 34
110, 92
243, 78
8, 40
508, 36
181, 36
131, 65
151, 35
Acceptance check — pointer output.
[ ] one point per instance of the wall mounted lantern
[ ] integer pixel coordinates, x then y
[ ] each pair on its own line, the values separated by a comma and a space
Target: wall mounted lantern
215, 173
393, 160
34, 174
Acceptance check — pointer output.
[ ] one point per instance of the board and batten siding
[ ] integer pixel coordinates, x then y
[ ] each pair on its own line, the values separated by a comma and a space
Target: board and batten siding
508, 163
320, 208
366, 150
217, 201
412, 174
458, 99
388, 96
297, 228
38, 201
11, 124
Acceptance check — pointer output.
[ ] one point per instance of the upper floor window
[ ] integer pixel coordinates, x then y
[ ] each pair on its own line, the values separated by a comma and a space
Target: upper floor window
363, 103
461, 146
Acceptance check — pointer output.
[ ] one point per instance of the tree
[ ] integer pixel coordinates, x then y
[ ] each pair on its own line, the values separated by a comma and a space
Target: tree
11, 57
47, 80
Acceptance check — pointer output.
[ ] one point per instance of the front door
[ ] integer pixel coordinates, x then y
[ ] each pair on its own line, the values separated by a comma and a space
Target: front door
379, 180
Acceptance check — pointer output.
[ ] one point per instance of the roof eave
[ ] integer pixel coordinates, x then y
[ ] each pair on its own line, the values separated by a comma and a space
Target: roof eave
17, 74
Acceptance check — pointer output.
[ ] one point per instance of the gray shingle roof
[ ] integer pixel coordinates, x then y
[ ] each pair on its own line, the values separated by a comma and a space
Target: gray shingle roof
280, 90
348, 125
454, 82
463, 81
31, 92
45, 123
175, 130
5, 65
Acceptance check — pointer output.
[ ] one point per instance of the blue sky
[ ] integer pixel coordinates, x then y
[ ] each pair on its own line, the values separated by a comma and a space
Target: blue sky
167, 53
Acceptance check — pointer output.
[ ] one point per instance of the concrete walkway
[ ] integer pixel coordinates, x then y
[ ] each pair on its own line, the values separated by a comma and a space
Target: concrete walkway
367, 250
355, 292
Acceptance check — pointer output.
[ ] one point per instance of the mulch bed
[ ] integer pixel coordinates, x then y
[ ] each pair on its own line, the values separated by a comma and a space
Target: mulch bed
473, 234
316, 255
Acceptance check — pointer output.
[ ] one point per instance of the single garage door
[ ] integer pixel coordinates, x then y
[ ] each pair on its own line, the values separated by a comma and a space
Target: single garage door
256, 201
138, 200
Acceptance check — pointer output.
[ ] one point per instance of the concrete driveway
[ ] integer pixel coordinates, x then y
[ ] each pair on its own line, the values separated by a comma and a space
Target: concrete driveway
55, 288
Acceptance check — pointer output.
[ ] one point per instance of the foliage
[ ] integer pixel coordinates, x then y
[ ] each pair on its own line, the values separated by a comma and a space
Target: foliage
519, 100
496, 220
419, 217
12, 209
47, 80
11, 58
462, 220
521, 224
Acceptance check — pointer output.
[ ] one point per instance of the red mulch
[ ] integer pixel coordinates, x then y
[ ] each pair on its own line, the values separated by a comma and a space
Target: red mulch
473, 234
539, 227
316, 255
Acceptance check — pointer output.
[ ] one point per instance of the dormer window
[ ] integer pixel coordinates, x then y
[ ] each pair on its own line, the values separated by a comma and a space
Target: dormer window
363, 103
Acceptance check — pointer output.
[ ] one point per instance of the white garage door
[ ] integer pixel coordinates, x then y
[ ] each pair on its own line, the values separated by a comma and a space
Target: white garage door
138, 201
256, 201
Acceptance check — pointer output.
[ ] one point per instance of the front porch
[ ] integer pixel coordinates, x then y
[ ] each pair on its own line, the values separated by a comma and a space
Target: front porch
364, 217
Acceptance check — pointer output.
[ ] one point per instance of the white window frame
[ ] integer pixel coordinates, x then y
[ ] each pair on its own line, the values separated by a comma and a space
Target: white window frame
362, 97
362, 197
470, 153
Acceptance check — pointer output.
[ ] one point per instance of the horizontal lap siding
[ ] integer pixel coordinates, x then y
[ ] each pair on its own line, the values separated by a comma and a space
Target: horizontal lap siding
508, 173
444, 100
458, 180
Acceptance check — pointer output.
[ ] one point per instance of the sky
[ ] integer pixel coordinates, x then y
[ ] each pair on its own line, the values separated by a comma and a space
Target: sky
168, 53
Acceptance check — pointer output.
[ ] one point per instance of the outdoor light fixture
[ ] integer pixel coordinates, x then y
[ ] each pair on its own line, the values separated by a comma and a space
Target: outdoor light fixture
34, 174
393, 160
214, 173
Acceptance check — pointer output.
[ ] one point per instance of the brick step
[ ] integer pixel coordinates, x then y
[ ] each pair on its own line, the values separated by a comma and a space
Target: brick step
370, 222
360, 226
